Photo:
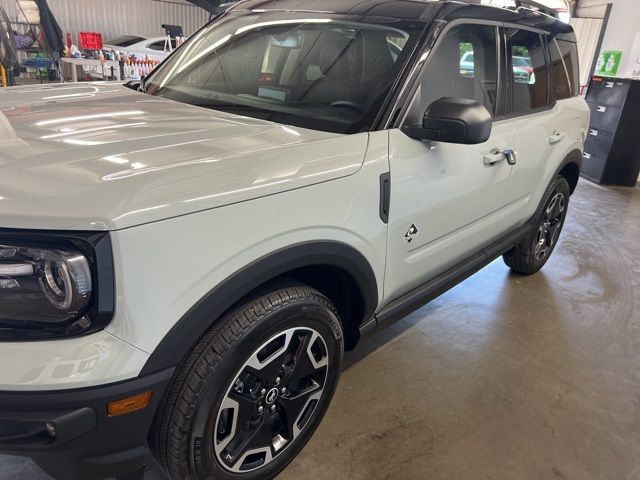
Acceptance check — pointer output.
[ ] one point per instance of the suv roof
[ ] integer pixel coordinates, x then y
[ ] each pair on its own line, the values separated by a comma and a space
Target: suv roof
525, 12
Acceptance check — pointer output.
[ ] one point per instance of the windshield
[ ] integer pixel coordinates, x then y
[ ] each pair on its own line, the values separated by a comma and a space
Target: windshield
327, 72
125, 41
521, 61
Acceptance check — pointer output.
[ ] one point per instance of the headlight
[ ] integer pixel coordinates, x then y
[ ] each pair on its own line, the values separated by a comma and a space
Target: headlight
49, 286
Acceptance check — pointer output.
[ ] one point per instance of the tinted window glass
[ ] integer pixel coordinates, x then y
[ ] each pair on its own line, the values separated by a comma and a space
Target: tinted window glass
159, 46
561, 82
326, 72
528, 67
464, 65
125, 41
569, 52
467, 63
396, 45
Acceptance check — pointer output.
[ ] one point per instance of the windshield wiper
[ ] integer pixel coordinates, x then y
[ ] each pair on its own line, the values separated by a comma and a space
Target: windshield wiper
232, 107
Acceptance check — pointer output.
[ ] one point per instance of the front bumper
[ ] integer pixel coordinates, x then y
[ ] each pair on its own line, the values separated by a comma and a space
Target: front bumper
88, 444
72, 363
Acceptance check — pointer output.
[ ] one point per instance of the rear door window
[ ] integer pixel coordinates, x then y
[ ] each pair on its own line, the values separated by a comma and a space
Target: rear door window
561, 83
529, 71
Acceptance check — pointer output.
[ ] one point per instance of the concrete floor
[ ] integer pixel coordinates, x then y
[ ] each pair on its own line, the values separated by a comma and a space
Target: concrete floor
504, 377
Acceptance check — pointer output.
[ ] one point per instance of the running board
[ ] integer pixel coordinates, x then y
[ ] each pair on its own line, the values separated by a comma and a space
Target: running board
409, 302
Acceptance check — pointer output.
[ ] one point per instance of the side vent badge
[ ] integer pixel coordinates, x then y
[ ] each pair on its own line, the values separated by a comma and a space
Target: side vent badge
411, 233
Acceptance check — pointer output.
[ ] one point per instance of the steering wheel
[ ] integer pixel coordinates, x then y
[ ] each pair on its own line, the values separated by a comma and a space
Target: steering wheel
348, 104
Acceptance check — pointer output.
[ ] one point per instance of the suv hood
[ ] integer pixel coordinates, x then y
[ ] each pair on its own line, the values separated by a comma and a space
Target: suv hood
103, 157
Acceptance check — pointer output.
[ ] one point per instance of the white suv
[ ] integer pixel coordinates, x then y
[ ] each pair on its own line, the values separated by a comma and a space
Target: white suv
185, 261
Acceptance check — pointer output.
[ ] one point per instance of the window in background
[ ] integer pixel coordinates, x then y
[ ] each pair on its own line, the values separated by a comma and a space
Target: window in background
124, 41
160, 45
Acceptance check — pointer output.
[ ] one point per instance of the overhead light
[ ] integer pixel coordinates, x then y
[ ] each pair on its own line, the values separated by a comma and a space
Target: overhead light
91, 130
77, 141
116, 159
291, 131
282, 22
83, 118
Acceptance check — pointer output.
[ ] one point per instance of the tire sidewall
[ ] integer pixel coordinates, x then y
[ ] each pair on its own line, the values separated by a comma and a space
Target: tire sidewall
559, 185
202, 459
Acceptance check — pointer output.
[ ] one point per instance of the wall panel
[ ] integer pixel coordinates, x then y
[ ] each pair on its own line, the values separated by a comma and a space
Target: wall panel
117, 17
592, 8
588, 32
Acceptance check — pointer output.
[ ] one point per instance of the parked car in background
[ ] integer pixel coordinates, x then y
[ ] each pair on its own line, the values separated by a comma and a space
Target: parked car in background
156, 47
521, 72
522, 62
466, 64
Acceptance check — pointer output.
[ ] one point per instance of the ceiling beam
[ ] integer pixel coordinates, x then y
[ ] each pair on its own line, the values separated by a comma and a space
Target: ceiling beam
211, 6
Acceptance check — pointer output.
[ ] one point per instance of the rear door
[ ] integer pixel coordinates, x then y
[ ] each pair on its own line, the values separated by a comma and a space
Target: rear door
540, 122
446, 198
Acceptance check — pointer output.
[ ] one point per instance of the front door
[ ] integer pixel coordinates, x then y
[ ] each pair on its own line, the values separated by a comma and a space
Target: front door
445, 198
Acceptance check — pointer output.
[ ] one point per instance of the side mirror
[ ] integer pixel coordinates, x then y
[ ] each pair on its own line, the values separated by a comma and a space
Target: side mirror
453, 120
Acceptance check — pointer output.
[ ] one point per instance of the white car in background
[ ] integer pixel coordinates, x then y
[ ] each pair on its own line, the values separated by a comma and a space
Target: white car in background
156, 47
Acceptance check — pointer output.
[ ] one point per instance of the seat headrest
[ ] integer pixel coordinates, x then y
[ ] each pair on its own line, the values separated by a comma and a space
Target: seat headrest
334, 61
377, 60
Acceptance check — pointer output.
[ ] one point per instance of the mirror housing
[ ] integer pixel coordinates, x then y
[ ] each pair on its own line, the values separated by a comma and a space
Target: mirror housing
454, 120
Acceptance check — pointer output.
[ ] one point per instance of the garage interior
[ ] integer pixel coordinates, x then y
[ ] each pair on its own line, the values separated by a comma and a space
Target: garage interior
503, 377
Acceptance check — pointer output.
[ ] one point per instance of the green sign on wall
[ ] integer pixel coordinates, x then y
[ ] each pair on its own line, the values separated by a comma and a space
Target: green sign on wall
609, 63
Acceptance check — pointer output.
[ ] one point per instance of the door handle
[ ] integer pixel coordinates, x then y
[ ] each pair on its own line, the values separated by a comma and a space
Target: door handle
500, 154
557, 137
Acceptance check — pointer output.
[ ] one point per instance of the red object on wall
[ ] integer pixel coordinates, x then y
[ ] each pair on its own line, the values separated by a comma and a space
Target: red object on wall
90, 41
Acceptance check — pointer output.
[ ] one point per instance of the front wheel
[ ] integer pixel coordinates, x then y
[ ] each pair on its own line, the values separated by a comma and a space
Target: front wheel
254, 389
531, 254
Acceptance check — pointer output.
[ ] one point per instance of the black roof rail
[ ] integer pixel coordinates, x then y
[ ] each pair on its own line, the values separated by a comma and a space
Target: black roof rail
531, 4
528, 4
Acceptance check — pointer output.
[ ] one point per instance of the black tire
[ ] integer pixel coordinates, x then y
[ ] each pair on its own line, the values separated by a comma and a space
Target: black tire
533, 252
187, 429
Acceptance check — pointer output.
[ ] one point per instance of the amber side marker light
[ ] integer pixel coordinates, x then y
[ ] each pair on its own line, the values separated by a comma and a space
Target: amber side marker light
129, 404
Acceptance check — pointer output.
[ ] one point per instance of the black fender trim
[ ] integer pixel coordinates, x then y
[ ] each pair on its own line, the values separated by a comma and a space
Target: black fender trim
195, 323
573, 157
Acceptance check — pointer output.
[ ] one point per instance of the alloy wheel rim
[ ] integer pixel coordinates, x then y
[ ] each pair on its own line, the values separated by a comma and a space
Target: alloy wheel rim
549, 229
271, 400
